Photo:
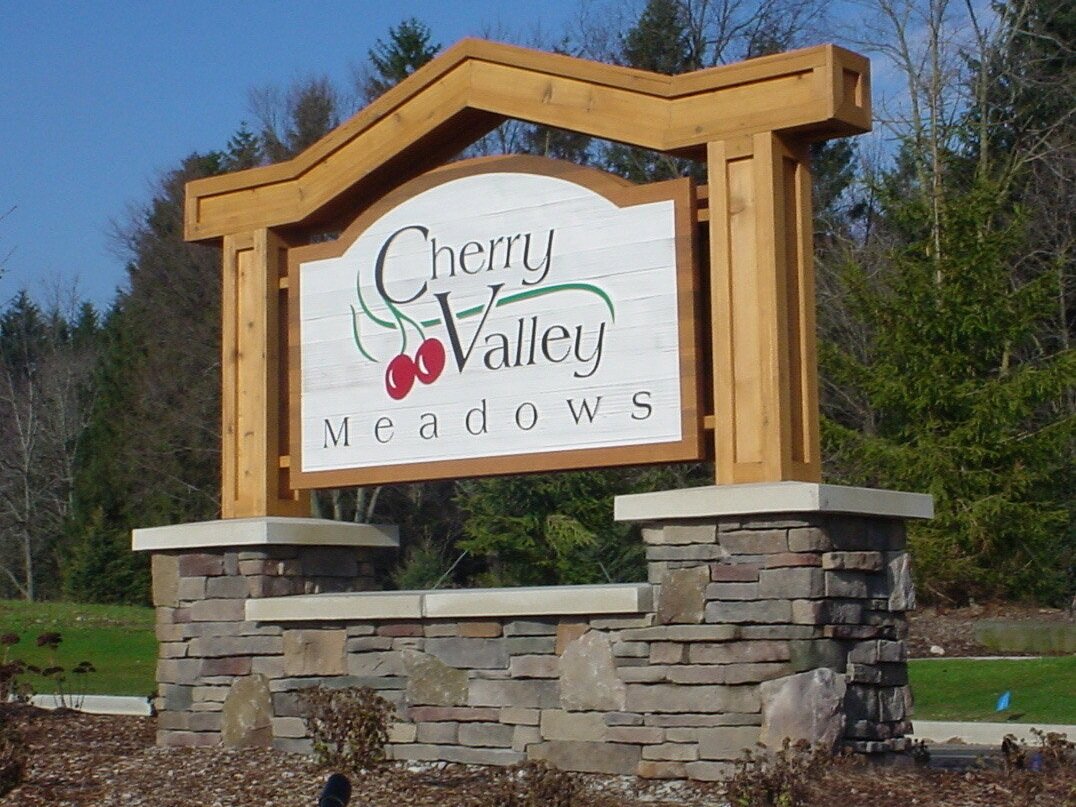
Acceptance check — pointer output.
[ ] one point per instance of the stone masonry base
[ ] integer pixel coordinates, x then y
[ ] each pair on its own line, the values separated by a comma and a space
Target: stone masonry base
674, 691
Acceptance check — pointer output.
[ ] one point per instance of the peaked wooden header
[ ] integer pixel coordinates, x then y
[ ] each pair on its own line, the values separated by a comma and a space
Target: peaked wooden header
749, 122
818, 93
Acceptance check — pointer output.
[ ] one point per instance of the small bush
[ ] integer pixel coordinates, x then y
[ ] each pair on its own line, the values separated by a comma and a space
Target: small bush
780, 779
349, 727
534, 784
12, 758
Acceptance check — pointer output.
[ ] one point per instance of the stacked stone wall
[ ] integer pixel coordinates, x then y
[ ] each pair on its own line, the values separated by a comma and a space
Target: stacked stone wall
761, 626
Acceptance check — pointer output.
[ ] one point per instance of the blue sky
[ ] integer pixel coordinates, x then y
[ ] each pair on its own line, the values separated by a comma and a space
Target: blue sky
100, 98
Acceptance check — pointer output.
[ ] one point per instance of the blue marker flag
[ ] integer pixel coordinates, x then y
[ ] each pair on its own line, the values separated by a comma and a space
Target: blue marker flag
1003, 701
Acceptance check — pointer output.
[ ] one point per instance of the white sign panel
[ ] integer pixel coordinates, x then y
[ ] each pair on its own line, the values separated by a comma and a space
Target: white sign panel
491, 322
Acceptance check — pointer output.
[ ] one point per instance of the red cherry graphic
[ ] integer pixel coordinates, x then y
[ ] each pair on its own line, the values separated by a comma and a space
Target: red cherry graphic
429, 360
400, 377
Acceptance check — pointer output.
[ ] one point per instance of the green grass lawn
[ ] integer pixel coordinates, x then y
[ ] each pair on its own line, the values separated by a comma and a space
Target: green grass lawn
117, 639
1043, 690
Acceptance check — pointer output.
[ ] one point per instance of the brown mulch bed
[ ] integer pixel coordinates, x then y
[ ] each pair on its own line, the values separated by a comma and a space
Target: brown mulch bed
89, 760
953, 629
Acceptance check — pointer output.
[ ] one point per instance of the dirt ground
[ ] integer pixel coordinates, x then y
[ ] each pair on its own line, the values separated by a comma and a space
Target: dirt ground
953, 629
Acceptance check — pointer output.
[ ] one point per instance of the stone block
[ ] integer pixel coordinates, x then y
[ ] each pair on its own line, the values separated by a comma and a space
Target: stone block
172, 650
900, 583
439, 630
588, 757
175, 698
826, 612
314, 652
521, 627
812, 653
791, 583
664, 698
762, 611
666, 653
739, 652
262, 586
693, 553
525, 736
289, 727
631, 649
218, 694
329, 561
461, 714
696, 721
515, 716
246, 721
852, 561
360, 630
734, 572
398, 629
226, 587
431, 681
269, 666
364, 643
751, 632
226, 666
374, 664
196, 564
792, 560
478, 629
179, 671
848, 584
683, 633
679, 752
697, 674
683, 595
165, 573
623, 719
681, 534
534, 693
807, 706
466, 653
534, 667
892, 651
529, 645
645, 673
622, 622
726, 742
218, 611
643, 735
402, 732
809, 539
709, 771
557, 724
440, 733
588, 676
218, 646
755, 542
892, 704
660, 769
568, 632
486, 735
733, 591
417, 751
481, 756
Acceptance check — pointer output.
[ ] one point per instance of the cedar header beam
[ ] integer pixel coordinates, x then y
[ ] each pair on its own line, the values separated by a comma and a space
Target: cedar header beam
750, 122
817, 93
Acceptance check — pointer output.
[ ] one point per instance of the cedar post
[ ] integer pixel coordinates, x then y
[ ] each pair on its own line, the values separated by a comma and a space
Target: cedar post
762, 306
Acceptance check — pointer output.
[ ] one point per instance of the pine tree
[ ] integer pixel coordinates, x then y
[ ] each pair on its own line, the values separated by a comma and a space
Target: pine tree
410, 45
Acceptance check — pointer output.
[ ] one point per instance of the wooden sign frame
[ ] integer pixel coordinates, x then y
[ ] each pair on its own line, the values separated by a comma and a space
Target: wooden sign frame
751, 122
620, 192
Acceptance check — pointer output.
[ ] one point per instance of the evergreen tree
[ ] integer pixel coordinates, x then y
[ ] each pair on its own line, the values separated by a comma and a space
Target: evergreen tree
957, 412
410, 45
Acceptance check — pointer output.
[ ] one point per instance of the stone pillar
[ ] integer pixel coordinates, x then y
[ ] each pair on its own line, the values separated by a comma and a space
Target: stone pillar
814, 579
213, 664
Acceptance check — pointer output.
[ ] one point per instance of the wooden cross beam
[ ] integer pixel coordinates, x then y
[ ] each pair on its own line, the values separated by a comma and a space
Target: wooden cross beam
751, 122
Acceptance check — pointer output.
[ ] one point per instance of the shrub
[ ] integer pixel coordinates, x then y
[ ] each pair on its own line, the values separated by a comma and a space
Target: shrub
779, 779
534, 784
12, 757
349, 727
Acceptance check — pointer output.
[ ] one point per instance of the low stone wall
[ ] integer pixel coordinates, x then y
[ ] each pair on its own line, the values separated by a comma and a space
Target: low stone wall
762, 626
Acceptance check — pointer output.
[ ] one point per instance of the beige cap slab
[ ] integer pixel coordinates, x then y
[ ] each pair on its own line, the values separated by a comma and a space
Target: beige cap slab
267, 531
